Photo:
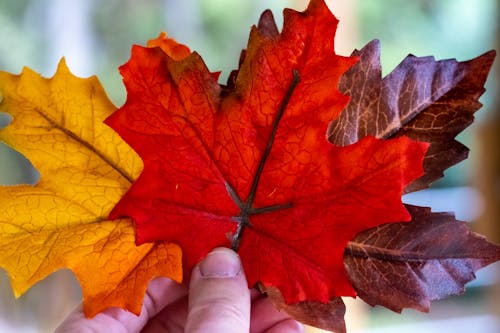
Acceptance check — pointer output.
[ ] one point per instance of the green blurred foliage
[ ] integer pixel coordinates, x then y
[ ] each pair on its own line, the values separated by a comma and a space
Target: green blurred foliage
460, 29
218, 30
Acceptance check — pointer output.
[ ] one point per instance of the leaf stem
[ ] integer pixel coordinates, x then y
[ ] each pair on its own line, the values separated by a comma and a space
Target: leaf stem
246, 208
243, 222
268, 209
267, 151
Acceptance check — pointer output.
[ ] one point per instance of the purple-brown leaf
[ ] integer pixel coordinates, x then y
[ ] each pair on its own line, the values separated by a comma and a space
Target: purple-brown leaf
408, 265
424, 99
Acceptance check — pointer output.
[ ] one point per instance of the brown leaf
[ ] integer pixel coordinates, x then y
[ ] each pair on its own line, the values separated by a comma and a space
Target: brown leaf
408, 265
424, 99
327, 316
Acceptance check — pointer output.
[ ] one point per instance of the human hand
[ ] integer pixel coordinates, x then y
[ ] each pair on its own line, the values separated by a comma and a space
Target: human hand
218, 300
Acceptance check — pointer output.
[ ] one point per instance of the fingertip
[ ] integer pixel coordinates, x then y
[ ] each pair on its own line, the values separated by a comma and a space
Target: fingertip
219, 299
220, 263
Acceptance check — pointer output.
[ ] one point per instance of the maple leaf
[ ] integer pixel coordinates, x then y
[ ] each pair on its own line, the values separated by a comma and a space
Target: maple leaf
85, 168
248, 165
424, 99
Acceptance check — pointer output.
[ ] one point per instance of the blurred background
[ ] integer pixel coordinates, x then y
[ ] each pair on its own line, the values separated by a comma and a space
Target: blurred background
96, 36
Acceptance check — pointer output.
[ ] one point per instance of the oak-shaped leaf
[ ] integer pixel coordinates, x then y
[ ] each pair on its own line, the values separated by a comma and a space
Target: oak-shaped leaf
424, 99
248, 165
429, 101
62, 221
408, 265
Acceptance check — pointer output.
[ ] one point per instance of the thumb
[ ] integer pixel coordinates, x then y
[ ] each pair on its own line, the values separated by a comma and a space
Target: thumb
219, 299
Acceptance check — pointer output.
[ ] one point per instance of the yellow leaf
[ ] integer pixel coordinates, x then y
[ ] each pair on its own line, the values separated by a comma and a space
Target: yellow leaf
85, 169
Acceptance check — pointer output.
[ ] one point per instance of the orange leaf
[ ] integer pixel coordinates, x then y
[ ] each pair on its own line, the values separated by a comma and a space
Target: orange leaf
170, 46
85, 168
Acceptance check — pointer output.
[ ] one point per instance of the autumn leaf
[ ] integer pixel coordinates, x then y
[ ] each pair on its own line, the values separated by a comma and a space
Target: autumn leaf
175, 50
85, 168
424, 99
408, 265
248, 165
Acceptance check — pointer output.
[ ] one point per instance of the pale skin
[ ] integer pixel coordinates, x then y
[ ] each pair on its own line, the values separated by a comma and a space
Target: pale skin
217, 300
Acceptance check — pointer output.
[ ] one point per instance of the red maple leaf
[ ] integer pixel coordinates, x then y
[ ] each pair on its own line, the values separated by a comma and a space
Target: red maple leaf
248, 165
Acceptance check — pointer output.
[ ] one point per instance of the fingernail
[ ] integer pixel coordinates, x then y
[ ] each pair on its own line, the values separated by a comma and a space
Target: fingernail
220, 263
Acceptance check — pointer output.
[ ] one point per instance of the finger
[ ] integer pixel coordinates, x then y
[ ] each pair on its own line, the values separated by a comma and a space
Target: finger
219, 299
266, 318
160, 292
286, 326
171, 319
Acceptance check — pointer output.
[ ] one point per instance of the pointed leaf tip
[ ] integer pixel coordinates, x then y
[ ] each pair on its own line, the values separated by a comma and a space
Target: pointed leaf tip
267, 25
170, 46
